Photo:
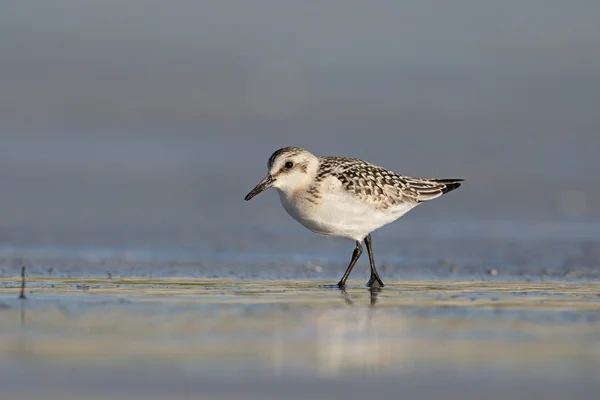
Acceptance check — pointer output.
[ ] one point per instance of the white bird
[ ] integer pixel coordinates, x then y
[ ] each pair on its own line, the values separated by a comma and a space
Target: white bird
345, 197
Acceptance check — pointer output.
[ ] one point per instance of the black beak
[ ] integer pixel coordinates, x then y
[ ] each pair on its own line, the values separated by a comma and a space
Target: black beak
266, 183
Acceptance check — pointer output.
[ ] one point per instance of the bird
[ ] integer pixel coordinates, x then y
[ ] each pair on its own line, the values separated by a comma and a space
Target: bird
345, 197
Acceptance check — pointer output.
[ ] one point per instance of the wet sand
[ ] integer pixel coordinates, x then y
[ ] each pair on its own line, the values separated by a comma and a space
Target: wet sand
178, 337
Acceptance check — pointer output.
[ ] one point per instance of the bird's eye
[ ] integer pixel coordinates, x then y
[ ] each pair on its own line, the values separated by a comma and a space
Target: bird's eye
289, 165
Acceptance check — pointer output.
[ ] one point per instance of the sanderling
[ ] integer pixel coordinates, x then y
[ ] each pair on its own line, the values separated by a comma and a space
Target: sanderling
345, 197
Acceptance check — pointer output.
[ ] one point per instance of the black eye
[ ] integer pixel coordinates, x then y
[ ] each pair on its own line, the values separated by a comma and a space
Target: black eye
289, 165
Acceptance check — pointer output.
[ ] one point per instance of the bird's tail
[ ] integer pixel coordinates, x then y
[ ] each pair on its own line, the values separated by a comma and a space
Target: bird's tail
431, 188
449, 184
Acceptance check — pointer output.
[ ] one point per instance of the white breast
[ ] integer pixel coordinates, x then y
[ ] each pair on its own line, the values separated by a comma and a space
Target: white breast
338, 213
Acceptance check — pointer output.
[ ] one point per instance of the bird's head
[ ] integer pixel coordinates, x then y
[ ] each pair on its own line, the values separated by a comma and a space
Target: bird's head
290, 169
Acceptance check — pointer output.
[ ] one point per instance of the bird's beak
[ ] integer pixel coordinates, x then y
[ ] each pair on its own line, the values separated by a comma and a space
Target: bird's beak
266, 183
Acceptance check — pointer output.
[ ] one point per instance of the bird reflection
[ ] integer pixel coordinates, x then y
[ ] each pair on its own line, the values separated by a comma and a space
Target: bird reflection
347, 298
22, 314
373, 293
23, 343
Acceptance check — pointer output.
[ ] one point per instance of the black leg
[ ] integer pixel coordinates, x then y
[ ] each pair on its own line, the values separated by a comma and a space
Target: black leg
355, 256
375, 280
23, 277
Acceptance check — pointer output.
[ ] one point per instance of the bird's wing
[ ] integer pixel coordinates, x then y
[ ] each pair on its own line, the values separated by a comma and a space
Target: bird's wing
380, 186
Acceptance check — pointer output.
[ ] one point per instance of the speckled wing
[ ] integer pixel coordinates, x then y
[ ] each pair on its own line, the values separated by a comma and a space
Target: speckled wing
380, 186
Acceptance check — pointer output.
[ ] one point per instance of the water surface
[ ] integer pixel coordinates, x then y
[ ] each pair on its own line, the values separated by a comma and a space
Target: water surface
228, 337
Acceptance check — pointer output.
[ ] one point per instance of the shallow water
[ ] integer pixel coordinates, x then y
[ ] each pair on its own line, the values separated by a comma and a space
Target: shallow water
128, 337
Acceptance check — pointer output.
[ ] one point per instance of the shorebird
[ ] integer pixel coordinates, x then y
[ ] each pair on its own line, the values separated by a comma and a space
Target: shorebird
345, 197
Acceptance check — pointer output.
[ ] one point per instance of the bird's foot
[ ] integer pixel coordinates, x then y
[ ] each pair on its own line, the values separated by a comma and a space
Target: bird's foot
338, 285
375, 282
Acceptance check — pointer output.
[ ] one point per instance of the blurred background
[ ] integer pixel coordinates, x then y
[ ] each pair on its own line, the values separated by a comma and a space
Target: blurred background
142, 125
